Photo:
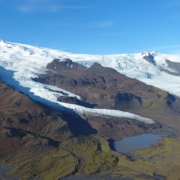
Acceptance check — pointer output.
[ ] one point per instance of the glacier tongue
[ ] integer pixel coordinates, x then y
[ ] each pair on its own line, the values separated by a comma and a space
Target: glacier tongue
20, 63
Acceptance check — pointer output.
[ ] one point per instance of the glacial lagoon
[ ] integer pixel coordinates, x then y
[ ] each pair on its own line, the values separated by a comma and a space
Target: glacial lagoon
142, 141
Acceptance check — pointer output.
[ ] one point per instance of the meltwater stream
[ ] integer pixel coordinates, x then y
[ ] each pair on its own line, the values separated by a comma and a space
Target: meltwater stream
142, 141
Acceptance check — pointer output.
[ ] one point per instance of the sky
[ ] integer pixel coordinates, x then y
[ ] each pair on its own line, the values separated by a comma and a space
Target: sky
93, 26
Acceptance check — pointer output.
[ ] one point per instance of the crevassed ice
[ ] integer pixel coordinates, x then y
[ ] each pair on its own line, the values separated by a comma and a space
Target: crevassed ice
23, 62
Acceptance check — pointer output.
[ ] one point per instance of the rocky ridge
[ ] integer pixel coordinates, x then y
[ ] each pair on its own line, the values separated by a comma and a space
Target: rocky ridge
101, 87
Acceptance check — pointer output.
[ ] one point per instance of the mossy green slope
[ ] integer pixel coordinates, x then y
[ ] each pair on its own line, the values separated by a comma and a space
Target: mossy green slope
82, 155
43, 143
163, 158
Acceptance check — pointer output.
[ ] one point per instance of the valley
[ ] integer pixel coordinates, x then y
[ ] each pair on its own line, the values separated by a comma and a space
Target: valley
60, 114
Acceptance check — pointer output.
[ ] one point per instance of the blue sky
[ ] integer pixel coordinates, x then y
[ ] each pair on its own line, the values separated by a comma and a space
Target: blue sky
93, 26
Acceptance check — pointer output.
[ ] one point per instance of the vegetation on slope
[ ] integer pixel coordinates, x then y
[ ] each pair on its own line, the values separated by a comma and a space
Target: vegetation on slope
39, 142
163, 157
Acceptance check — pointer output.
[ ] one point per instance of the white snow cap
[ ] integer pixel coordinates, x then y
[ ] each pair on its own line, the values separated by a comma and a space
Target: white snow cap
18, 65
145, 53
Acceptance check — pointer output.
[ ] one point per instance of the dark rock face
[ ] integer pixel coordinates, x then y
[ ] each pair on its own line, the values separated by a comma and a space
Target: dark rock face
20, 115
17, 120
175, 66
97, 68
65, 65
74, 100
148, 57
103, 87
117, 128
24, 123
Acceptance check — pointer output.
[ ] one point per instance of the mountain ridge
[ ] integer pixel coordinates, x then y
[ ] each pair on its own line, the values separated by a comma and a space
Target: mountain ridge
131, 65
105, 88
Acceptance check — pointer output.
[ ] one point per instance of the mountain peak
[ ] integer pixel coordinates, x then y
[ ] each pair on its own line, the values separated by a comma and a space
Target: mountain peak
148, 57
98, 68
1, 41
64, 64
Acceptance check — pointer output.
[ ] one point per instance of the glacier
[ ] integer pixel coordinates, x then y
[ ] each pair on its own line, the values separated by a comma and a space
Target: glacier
20, 63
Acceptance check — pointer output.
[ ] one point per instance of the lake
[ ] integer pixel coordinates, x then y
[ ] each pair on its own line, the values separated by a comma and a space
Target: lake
142, 141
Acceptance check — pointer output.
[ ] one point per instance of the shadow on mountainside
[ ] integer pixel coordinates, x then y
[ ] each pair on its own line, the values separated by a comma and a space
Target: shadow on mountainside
76, 124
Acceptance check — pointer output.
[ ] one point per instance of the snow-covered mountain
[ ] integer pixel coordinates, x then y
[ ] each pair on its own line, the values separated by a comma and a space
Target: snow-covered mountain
20, 63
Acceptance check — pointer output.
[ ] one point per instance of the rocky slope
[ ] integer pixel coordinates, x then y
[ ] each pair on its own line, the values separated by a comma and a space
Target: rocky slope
163, 156
101, 87
37, 141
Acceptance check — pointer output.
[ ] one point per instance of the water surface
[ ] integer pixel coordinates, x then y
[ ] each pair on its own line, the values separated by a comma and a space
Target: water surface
142, 141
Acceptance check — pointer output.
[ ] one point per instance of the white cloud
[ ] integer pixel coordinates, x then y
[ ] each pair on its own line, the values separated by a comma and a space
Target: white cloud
173, 49
80, 25
101, 24
50, 24
175, 17
113, 33
173, 3
168, 47
176, 52
30, 6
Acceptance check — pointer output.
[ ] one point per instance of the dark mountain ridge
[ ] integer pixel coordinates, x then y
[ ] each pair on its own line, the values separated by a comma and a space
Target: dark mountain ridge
103, 87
